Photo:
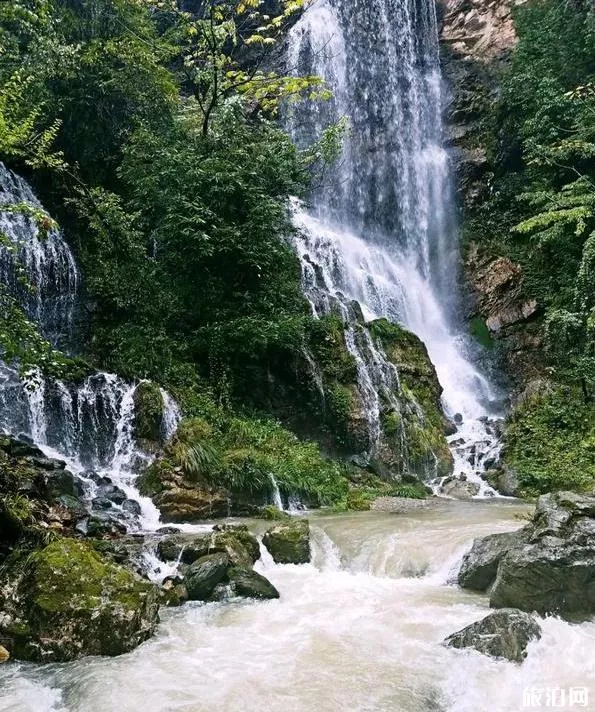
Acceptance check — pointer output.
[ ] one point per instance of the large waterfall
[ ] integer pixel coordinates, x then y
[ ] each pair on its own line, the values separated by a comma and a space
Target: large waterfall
380, 229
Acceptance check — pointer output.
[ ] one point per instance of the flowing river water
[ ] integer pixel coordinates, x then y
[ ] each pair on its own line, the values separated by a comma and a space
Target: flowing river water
361, 628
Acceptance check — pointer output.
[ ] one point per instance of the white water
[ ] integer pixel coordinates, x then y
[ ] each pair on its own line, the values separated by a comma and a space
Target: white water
89, 425
380, 229
361, 629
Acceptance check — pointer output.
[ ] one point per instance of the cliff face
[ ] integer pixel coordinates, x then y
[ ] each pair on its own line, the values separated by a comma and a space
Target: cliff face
477, 38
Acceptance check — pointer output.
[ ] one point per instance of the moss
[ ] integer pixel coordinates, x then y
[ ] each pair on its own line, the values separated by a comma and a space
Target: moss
420, 425
480, 332
69, 573
272, 513
325, 338
148, 411
72, 603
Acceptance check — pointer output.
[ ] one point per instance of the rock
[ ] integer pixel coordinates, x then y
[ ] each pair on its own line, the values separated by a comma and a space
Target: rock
73, 603
272, 513
503, 634
173, 593
503, 479
4, 654
112, 493
236, 541
204, 574
450, 428
185, 504
101, 503
480, 565
289, 543
250, 584
132, 507
459, 488
549, 565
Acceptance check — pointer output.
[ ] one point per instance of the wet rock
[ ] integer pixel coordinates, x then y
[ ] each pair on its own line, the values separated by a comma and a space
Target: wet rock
237, 542
204, 574
480, 565
234, 540
450, 428
549, 565
71, 603
459, 488
47, 463
4, 654
458, 418
132, 507
101, 503
112, 493
289, 543
173, 593
503, 634
102, 527
250, 584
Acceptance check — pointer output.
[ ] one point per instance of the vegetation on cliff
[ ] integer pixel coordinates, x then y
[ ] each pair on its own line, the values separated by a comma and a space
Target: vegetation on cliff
539, 211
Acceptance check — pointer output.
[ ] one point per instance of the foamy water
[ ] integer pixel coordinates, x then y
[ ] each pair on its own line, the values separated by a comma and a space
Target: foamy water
359, 629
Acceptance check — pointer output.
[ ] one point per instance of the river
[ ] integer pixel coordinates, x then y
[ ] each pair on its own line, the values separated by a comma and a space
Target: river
361, 628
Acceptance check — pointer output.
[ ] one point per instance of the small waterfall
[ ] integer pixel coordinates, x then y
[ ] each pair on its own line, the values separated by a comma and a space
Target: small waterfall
171, 416
277, 499
39, 270
380, 231
89, 424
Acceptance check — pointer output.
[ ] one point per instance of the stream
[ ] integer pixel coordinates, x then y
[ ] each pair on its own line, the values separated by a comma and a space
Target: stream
361, 628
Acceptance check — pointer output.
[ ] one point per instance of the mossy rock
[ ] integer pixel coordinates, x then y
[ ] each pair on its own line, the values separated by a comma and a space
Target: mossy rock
235, 541
289, 543
148, 412
74, 603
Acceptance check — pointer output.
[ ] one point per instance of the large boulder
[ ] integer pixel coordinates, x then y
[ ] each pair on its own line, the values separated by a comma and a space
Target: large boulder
289, 543
67, 602
250, 584
204, 574
502, 634
190, 504
480, 565
548, 566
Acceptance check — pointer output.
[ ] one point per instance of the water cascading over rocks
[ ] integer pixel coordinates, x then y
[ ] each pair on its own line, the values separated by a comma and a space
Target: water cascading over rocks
380, 231
90, 424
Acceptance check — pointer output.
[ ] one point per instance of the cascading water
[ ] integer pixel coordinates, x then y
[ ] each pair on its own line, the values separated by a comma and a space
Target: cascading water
90, 424
380, 231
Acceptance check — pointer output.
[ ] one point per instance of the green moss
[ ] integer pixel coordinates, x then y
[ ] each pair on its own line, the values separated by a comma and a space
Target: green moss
69, 573
325, 338
550, 442
480, 332
271, 513
420, 425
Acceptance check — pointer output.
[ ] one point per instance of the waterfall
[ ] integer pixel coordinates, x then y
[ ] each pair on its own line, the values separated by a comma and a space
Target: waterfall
40, 271
380, 230
89, 424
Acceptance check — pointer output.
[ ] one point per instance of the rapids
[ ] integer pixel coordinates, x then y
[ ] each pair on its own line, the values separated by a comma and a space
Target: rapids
359, 629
